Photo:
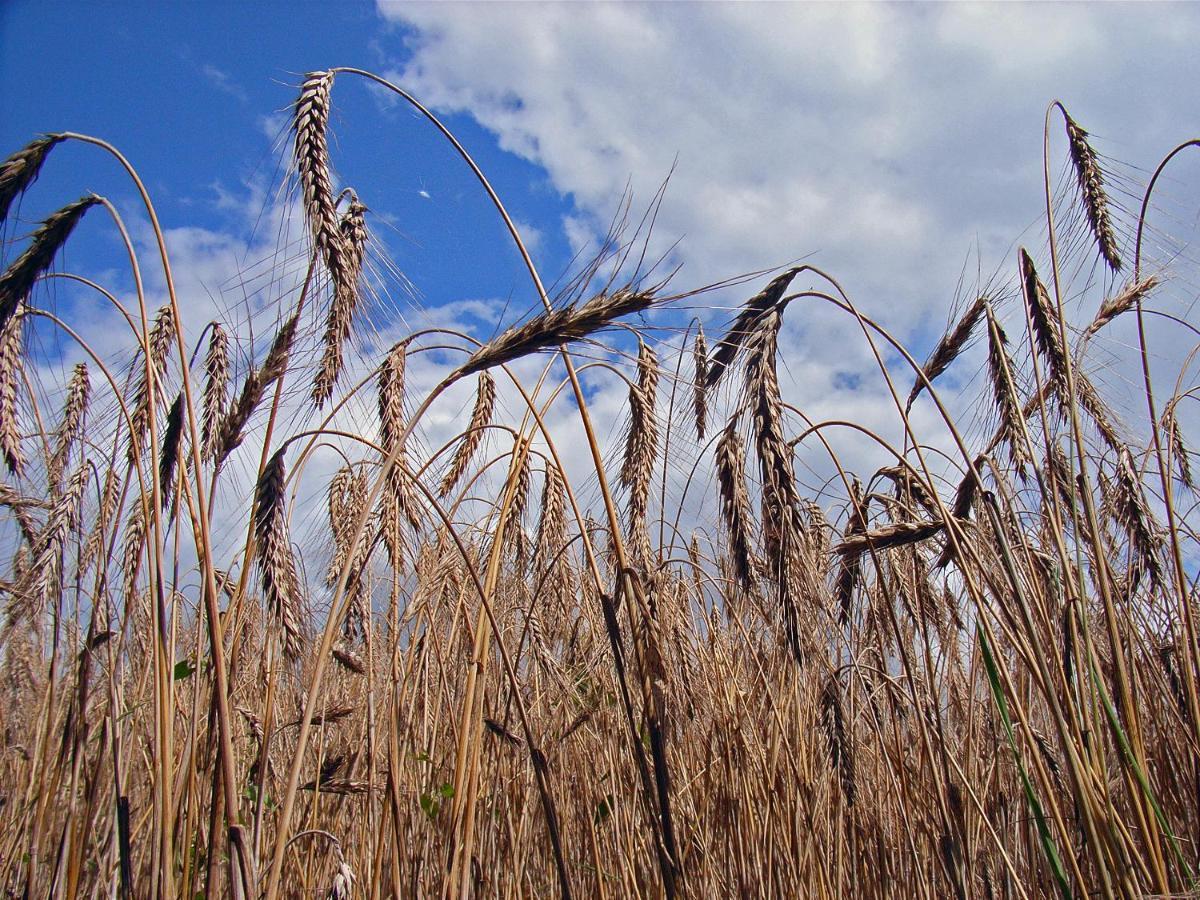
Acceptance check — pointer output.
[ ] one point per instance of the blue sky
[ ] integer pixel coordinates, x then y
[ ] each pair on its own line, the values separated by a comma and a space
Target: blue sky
898, 146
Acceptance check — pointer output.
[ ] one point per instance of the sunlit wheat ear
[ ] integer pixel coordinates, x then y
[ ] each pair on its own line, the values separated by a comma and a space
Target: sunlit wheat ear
747, 322
472, 439
340, 525
841, 753
132, 550
735, 503
1091, 187
312, 161
1121, 302
216, 388
70, 427
550, 557
641, 445
44, 244
110, 495
1045, 326
162, 334
558, 326
700, 383
11, 361
1005, 396
276, 567
20, 506
397, 504
171, 449
948, 348
21, 169
45, 575
353, 231
514, 533
233, 426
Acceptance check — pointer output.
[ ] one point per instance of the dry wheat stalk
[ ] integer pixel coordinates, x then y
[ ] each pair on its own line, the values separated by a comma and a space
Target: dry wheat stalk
21, 169
44, 244
472, 439
353, 231
1091, 187
216, 388
747, 323
1121, 302
11, 359
71, 426
700, 383
159, 341
277, 568
558, 326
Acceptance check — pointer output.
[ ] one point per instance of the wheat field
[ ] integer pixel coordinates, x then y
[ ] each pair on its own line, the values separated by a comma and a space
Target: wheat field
269, 632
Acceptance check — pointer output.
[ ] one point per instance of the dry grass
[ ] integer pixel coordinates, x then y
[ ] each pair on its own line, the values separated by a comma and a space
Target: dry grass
464, 685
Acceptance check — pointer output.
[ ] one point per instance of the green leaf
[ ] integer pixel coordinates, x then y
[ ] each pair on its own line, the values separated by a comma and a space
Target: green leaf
183, 669
430, 806
446, 790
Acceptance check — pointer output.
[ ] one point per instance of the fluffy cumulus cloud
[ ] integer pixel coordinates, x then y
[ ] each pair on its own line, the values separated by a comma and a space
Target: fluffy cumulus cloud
896, 146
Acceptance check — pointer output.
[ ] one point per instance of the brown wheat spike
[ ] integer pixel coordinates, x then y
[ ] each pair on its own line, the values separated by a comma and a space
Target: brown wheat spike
310, 122
339, 500
21, 169
46, 572
472, 439
700, 383
1005, 396
1180, 451
159, 340
841, 753
747, 323
514, 533
1091, 186
20, 506
397, 503
558, 326
735, 503
216, 388
44, 244
233, 426
948, 348
1089, 400
550, 557
1121, 302
1129, 508
641, 446
277, 568
353, 230
11, 360
71, 426
1045, 326
109, 497
894, 534
169, 452
349, 661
